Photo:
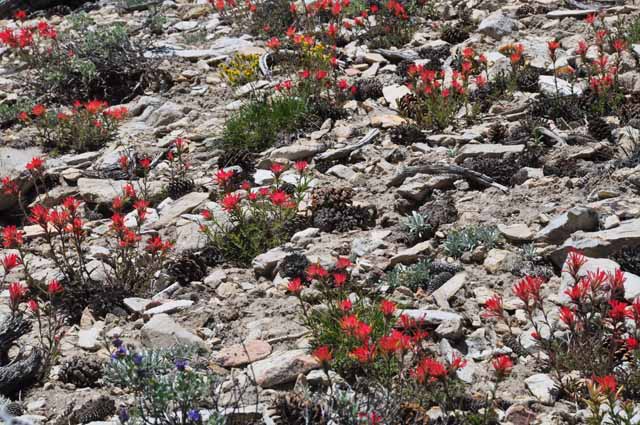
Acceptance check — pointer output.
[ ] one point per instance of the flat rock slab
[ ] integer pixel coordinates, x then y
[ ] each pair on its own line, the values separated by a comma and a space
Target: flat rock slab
411, 255
283, 367
182, 206
242, 354
563, 225
602, 243
449, 289
431, 317
486, 151
169, 307
163, 332
542, 387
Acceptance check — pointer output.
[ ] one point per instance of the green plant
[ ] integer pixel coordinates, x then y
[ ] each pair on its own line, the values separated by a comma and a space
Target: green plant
243, 230
425, 274
259, 123
86, 127
465, 240
196, 37
169, 387
9, 111
418, 229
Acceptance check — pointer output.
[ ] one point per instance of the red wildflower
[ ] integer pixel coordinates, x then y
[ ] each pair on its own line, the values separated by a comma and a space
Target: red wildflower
279, 198
575, 261
457, 362
321, 75
20, 15
606, 384
273, 43
616, 279
493, 308
305, 74
339, 279
23, 116
323, 354
12, 237
632, 343
343, 263
35, 164
429, 370
300, 166
46, 30
316, 271
129, 191
387, 307
222, 176
117, 222
39, 215
230, 202
349, 323
618, 310
295, 285
16, 292
553, 46
118, 113
277, 169
389, 344
345, 305
619, 44
362, 331
502, 366
567, 316
155, 245
128, 238
54, 287
364, 353
95, 106
9, 186
578, 291
10, 262
123, 161
116, 203
33, 305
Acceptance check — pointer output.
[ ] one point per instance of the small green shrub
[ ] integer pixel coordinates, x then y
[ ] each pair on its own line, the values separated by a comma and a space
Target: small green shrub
260, 123
9, 111
426, 275
465, 240
417, 227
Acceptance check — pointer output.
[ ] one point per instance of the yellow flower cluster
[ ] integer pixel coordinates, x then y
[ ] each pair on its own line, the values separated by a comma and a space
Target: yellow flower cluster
241, 69
315, 56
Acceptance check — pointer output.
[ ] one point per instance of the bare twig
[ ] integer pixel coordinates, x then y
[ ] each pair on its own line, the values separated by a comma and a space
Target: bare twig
347, 150
480, 178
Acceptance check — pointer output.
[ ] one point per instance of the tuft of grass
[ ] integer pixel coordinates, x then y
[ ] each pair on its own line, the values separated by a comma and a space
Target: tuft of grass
259, 124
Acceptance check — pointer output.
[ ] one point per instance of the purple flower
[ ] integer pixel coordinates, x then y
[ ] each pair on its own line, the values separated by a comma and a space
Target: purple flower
194, 415
117, 342
119, 353
137, 359
123, 414
181, 364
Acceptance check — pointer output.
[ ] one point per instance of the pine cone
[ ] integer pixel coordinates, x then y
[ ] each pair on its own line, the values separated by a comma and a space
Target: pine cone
179, 187
527, 79
513, 343
497, 133
599, 128
435, 55
294, 409
329, 197
344, 218
369, 88
288, 188
525, 10
407, 134
631, 113
94, 410
454, 34
81, 372
189, 267
437, 281
408, 105
412, 413
293, 265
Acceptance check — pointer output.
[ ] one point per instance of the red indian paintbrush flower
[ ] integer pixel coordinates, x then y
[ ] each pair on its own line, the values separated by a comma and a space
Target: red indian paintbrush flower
222, 176
387, 307
339, 279
345, 305
16, 292
493, 308
575, 261
295, 285
316, 271
502, 366
607, 385
12, 237
343, 263
365, 353
9, 186
39, 215
528, 290
230, 202
35, 164
54, 287
33, 305
429, 370
567, 316
10, 262
618, 310
323, 354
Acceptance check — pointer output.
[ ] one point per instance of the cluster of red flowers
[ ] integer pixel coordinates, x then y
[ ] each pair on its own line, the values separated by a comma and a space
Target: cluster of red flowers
18, 294
63, 219
92, 108
24, 37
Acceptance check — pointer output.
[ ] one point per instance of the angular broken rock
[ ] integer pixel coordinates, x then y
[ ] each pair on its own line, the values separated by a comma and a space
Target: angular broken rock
602, 243
486, 151
242, 354
283, 367
163, 332
418, 187
265, 264
497, 25
562, 226
516, 232
500, 260
181, 206
431, 317
413, 254
449, 289
542, 387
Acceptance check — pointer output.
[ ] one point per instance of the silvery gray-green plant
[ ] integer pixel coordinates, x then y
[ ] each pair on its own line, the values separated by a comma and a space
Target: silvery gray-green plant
416, 226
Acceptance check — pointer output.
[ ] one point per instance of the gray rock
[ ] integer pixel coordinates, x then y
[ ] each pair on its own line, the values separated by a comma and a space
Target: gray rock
163, 332
500, 260
497, 25
413, 254
297, 151
486, 151
562, 226
166, 114
341, 171
181, 206
101, 191
283, 367
431, 317
394, 93
449, 289
265, 264
242, 354
418, 187
169, 307
547, 86
89, 339
542, 387
516, 232
602, 243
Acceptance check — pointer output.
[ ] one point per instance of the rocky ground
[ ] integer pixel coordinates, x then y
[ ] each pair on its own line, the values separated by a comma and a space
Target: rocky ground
580, 194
